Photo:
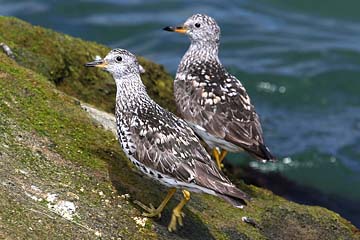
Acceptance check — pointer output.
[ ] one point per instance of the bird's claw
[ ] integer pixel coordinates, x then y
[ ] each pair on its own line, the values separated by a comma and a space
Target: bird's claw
150, 211
176, 218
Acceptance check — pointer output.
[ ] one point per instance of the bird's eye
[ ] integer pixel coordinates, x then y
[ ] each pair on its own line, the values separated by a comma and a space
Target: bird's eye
118, 59
197, 25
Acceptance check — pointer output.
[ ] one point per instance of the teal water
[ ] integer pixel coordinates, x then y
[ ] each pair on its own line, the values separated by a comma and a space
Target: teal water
300, 62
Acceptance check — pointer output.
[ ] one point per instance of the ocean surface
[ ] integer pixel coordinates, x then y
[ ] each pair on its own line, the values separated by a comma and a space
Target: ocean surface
300, 62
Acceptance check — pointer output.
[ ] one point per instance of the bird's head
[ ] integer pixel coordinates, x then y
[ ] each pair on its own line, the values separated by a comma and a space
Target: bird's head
118, 62
200, 28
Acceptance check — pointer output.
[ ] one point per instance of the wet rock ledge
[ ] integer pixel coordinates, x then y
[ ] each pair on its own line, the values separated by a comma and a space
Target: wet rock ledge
63, 175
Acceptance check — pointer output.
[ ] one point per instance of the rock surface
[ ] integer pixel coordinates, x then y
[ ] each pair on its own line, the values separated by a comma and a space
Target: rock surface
64, 176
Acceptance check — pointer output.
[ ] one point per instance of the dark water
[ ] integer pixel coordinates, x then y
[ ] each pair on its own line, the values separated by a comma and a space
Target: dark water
300, 62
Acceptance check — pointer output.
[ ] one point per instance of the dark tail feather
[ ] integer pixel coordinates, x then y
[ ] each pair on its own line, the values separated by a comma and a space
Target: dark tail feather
219, 184
265, 150
262, 152
236, 202
234, 196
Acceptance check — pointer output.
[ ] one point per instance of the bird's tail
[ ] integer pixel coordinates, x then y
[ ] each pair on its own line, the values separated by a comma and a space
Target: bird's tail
236, 202
232, 194
261, 152
218, 184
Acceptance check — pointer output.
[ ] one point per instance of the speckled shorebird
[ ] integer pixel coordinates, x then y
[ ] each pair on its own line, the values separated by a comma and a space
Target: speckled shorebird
159, 144
211, 100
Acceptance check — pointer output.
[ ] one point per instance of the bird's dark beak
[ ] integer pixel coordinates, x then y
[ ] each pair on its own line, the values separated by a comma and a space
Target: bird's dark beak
97, 63
180, 29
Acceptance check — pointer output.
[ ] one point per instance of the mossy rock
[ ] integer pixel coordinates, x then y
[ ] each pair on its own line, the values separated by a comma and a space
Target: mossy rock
50, 145
61, 58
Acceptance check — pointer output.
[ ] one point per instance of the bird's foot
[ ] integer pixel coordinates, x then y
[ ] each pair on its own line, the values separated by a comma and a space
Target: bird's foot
219, 157
150, 211
177, 215
220, 165
156, 212
176, 218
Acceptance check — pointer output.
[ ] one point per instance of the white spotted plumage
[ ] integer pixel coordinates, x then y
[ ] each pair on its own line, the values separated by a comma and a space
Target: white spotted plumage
159, 144
208, 96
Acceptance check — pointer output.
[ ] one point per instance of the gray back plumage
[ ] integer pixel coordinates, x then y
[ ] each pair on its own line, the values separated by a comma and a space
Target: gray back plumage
208, 96
158, 140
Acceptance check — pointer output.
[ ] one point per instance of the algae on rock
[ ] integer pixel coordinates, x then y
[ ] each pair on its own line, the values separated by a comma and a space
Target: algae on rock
61, 59
52, 152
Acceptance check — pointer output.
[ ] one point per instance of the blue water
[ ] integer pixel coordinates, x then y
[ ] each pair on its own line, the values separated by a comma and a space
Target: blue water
299, 61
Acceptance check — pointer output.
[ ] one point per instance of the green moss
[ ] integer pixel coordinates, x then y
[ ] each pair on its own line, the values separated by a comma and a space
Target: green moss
45, 133
47, 141
61, 58
32, 101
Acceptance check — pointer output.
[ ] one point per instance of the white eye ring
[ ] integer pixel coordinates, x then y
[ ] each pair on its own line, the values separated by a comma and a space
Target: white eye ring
118, 59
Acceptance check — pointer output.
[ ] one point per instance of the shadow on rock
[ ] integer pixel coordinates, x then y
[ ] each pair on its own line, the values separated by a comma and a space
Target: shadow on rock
127, 180
292, 191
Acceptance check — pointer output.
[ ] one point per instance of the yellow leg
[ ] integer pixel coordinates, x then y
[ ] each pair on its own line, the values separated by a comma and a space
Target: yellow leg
219, 157
177, 215
222, 155
153, 212
216, 155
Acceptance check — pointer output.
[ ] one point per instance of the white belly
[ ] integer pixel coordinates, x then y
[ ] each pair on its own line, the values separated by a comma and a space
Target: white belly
167, 180
214, 141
